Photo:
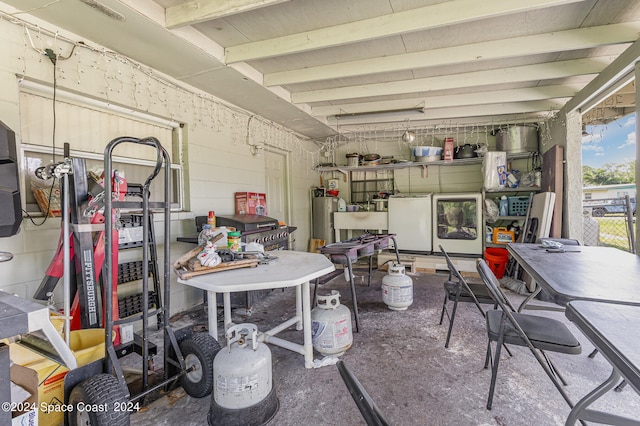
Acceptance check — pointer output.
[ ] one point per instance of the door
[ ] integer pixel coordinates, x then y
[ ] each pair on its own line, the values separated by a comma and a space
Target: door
276, 173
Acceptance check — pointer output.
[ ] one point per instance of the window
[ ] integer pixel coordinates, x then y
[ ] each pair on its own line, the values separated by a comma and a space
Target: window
135, 171
88, 126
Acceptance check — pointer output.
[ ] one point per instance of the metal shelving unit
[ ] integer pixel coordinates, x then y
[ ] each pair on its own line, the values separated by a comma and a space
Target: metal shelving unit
502, 219
403, 165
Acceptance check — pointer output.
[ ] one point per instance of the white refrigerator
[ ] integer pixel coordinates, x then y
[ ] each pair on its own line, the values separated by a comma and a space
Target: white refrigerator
410, 220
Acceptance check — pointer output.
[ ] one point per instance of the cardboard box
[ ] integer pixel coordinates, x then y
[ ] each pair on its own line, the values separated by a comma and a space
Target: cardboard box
86, 345
28, 380
448, 149
251, 203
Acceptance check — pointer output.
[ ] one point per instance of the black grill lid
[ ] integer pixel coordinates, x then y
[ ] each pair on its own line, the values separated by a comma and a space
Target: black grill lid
248, 222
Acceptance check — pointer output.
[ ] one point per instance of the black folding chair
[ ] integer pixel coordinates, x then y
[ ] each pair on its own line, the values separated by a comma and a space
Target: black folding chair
457, 289
539, 334
369, 410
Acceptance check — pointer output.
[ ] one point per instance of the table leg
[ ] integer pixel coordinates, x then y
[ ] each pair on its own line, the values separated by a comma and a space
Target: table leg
212, 312
580, 411
306, 321
535, 292
299, 324
370, 270
226, 298
354, 300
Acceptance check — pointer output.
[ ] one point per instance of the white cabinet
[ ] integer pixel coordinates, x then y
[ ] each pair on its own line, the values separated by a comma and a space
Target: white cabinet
359, 220
410, 220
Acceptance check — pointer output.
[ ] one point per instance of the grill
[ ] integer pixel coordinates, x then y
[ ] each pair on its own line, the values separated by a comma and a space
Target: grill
255, 228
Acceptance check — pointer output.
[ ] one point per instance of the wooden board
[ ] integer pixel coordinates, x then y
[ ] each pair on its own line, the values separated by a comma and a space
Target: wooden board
185, 272
542, 209
315, 244
553, 181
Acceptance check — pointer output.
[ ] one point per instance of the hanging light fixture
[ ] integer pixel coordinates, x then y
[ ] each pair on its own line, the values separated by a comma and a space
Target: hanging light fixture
370, 114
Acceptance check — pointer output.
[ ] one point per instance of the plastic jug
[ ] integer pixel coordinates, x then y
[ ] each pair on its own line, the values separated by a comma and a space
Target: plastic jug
504, 206
342, 205
489, 234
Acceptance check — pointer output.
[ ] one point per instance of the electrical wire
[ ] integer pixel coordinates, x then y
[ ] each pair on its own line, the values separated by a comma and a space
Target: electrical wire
54, 58
49, 197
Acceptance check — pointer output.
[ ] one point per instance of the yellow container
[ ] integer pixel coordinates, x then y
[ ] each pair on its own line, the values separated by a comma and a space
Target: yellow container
503, 236
86, 345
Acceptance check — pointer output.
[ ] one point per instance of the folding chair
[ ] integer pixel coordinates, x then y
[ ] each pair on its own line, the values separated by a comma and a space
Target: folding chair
539, 334
456, 289
369, 410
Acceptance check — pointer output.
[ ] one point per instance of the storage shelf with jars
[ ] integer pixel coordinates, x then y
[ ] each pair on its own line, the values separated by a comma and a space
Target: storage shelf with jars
518, 200
404, 164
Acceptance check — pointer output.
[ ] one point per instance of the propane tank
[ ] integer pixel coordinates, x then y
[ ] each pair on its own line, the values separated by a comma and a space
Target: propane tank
331, 325
243, 391
397, 288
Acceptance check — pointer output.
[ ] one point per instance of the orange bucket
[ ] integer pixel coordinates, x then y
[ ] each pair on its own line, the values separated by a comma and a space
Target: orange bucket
497, 259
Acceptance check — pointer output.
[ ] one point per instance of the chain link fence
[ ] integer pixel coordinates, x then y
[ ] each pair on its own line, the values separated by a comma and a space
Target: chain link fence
610, 222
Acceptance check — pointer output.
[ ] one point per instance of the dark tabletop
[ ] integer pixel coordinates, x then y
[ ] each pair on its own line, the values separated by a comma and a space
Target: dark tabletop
613, 329
601, 274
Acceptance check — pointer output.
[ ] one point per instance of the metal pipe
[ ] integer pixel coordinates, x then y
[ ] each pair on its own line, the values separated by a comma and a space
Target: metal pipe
629, 211
295, 347
288, 323
66, 255
159, 385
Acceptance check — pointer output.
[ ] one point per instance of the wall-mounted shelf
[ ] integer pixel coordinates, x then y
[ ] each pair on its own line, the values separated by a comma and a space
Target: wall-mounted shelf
518, 189
509, 218
405, 164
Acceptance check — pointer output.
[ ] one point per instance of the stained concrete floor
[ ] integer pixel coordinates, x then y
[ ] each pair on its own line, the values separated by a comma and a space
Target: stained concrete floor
400, 358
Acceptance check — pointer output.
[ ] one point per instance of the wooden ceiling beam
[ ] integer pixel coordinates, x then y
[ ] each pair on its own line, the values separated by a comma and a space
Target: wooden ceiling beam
536, 72
534, 93
434, 16
559, 41
197, 11
473, 113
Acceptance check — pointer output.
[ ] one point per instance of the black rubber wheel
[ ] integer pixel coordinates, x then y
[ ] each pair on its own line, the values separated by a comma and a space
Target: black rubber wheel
180, 335
99, 401
198, 351
598, 213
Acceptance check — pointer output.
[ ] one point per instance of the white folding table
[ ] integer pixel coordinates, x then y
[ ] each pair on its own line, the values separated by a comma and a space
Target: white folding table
290, 269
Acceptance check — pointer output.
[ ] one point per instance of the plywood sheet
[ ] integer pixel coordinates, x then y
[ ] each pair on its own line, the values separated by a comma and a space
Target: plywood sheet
542, 209
553, 181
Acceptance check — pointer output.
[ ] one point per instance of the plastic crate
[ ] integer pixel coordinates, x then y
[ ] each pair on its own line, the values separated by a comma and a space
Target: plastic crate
518, 206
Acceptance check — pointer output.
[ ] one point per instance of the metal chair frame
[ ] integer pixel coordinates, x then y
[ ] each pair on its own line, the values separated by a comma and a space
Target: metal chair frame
457, 289
512, 322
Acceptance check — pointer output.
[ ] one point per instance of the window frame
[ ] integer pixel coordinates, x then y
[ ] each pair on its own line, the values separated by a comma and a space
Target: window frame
30, 206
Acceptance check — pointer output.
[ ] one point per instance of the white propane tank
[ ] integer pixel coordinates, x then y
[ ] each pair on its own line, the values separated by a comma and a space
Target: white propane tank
397, 288
242, 372
331, 325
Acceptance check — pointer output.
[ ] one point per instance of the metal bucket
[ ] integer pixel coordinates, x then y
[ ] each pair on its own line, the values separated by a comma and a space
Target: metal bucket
516, 139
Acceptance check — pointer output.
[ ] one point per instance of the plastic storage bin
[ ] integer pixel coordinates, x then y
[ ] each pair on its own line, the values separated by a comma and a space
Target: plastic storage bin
518, 206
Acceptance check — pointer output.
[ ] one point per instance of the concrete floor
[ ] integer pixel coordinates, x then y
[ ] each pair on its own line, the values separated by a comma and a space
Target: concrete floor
399, 357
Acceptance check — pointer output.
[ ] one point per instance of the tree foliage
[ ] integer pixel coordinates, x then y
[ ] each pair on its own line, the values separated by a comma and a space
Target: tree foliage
609, 174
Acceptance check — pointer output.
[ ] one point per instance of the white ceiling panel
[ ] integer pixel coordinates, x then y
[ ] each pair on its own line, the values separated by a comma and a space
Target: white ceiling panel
463, 60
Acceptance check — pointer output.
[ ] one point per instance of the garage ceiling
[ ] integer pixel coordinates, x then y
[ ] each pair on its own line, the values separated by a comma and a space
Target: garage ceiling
317, 66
